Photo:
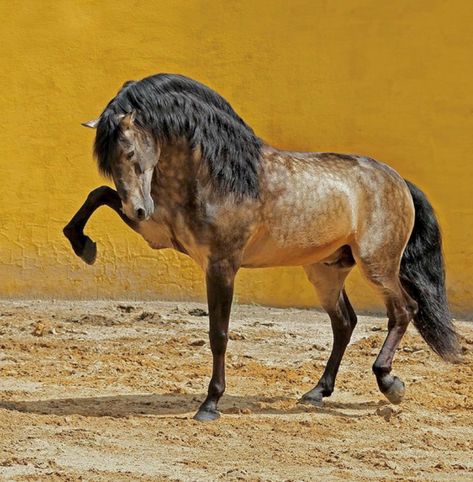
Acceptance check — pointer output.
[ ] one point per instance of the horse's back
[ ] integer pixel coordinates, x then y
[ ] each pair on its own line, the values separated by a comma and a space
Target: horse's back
318, 200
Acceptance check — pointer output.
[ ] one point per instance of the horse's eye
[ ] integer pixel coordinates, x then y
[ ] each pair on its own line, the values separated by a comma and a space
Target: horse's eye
130, 155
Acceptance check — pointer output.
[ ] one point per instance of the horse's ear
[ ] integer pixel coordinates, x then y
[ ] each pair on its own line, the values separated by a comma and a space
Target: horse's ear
92, 124
127, 120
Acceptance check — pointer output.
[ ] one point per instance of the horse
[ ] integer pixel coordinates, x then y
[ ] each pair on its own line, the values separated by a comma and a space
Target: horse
191, 175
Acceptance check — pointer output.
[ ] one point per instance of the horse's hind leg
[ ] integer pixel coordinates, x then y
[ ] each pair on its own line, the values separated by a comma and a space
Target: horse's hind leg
401, 309
383, 272
328, 282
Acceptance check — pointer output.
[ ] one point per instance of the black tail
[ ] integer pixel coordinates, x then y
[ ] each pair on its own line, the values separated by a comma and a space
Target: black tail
423, 277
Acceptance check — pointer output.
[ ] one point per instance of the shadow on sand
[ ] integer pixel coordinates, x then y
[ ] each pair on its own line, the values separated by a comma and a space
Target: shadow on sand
178, 404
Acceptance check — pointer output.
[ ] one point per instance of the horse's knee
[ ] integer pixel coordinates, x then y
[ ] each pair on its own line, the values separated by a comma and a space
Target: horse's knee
353, 320
98, 193
349, 311
218, 341
342, 329
343, 320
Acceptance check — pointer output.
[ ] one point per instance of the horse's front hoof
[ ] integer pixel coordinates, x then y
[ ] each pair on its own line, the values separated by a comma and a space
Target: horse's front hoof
89, 253
206, 415
313, 397
395, 391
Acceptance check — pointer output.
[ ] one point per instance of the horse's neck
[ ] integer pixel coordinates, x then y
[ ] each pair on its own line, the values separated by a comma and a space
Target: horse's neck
175, 176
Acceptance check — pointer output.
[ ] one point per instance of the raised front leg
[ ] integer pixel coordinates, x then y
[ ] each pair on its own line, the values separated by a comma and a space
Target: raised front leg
220, 278
82, 245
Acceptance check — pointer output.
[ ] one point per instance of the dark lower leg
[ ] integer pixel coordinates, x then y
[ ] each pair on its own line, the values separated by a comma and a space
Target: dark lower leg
343, 320
220, 278
399, 316
82, 245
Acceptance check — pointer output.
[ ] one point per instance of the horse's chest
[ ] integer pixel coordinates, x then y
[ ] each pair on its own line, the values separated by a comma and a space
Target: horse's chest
160, 233
155, 234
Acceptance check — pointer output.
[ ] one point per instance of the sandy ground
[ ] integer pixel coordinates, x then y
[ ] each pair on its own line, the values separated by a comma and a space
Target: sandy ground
107, 390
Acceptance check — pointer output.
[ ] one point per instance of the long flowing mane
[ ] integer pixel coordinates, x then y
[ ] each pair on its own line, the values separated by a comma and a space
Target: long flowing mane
173, 106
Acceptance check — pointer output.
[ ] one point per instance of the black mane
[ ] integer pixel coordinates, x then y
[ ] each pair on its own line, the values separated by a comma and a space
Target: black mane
171, 106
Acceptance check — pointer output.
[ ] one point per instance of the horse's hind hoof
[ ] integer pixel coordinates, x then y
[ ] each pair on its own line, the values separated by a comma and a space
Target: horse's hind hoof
395, 392
89, 253
206, 415
315, 399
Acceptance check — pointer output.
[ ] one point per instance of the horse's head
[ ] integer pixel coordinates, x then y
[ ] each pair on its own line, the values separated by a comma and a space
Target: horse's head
135, 156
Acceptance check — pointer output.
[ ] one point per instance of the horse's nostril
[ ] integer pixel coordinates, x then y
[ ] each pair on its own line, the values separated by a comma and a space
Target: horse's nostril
140, 213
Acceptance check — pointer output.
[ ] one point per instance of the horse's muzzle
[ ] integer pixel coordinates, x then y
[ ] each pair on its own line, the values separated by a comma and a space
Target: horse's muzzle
138, 211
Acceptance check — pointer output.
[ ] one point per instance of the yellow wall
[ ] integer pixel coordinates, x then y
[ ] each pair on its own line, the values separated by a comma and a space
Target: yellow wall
388, 79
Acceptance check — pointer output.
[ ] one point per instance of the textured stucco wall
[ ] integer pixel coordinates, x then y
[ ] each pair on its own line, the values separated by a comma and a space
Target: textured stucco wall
388, 79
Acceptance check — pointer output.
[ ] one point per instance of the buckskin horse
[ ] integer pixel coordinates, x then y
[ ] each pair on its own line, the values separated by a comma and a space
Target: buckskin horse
191, 175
